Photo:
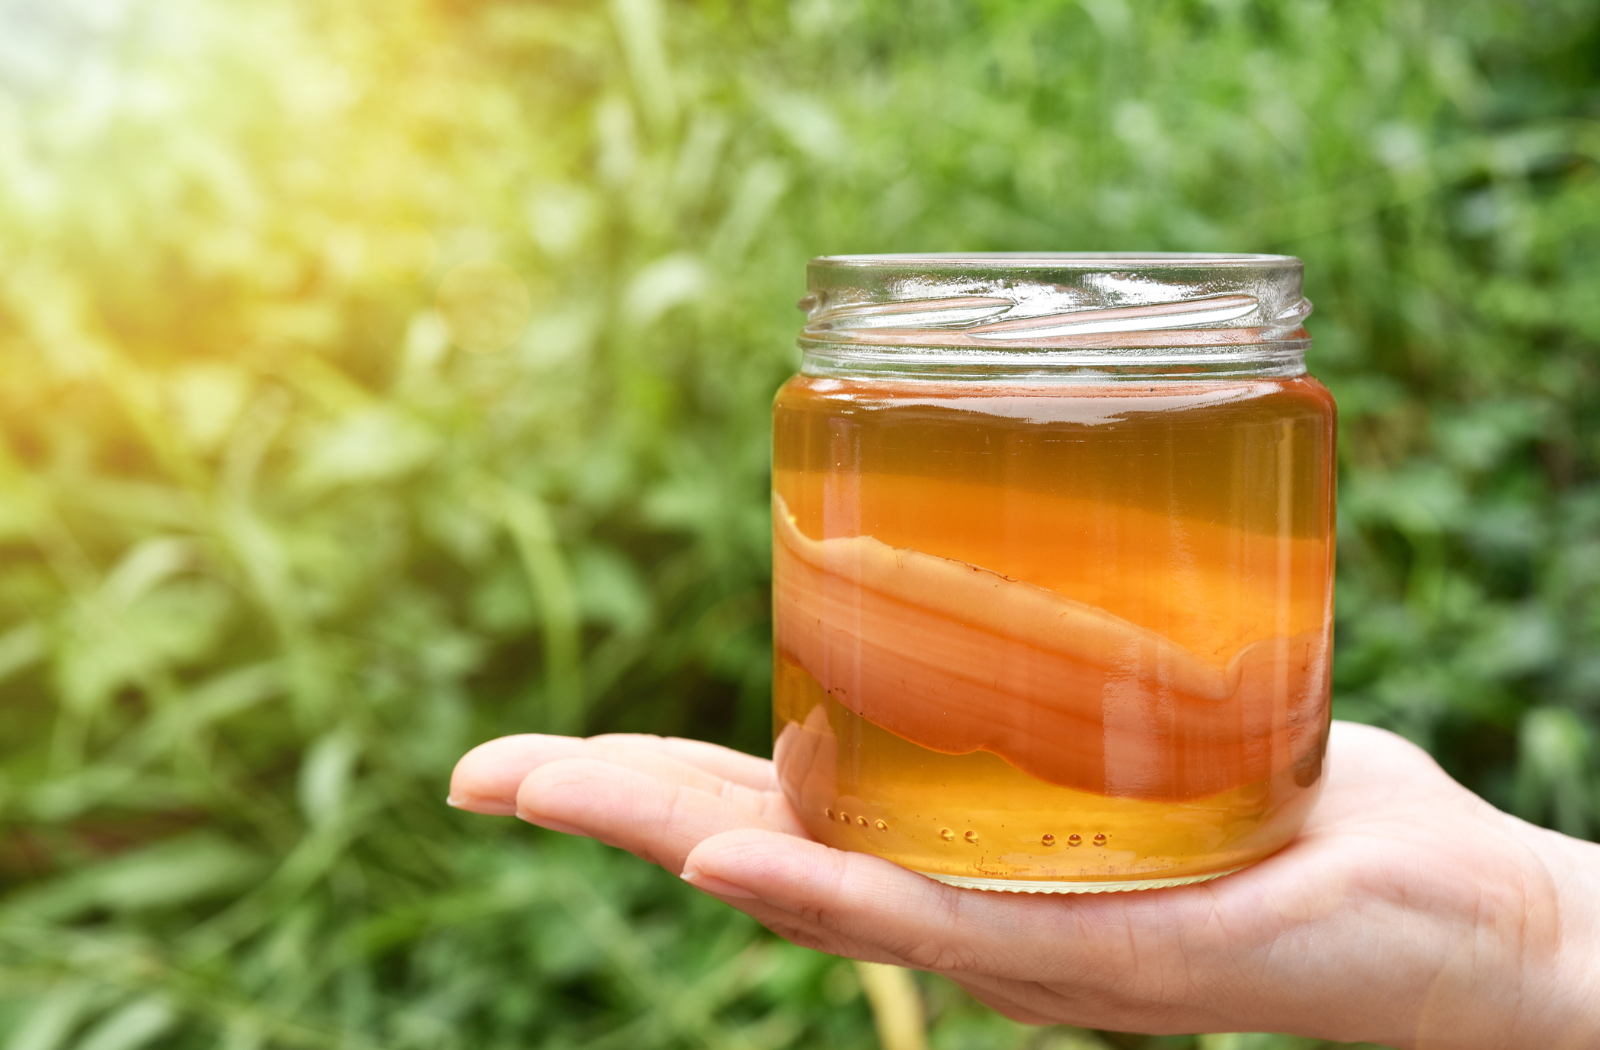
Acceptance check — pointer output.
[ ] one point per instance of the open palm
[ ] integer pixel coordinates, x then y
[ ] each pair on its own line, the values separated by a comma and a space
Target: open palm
1408, 911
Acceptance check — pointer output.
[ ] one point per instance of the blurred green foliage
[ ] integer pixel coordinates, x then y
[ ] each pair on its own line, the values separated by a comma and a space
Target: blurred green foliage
283, 529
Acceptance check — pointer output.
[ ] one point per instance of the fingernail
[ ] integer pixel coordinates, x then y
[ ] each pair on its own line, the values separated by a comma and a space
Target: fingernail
554, 825
489, 807
713, 885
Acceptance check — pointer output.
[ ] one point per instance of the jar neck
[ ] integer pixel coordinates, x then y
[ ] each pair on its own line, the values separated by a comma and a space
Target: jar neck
1280, 359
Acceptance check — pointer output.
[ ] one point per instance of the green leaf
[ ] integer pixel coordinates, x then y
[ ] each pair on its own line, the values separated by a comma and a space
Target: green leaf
135, 1025
192, 867
54, 1017
368, 445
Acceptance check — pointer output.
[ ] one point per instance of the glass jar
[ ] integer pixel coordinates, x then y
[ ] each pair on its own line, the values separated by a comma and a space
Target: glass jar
1053, 566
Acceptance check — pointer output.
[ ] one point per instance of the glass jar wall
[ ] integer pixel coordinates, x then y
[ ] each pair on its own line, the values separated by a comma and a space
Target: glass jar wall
1052, 566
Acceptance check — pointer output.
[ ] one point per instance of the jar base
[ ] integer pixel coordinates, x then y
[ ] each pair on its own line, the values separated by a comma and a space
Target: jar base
1044, 886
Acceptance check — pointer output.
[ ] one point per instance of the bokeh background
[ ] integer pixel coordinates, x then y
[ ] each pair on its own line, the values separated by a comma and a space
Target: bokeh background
383, 376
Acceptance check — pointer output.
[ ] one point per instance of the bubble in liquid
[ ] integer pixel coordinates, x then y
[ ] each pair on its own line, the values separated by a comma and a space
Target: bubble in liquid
1048, 839
862, 821
972, 836
1100, 839
1074, 840
882, 826
946, 834
829, 812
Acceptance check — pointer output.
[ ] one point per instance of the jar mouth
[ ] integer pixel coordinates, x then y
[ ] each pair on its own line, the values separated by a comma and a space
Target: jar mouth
1083, 260
1183, 311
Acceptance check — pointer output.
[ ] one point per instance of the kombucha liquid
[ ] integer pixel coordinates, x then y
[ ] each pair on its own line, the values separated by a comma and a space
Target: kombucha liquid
1053, 636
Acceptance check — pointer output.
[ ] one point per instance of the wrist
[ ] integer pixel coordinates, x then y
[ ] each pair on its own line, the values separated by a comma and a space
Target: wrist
1503, 945
1562, 988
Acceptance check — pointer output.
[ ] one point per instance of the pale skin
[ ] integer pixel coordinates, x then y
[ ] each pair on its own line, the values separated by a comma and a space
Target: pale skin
1408, 912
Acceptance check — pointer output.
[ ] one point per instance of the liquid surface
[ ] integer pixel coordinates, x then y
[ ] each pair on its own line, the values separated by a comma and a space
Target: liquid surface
1021, 614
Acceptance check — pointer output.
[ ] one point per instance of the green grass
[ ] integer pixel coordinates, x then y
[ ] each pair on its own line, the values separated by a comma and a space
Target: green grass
276, 544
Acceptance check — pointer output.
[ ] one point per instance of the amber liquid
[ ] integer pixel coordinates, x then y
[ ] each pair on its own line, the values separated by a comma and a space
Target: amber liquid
1057, 636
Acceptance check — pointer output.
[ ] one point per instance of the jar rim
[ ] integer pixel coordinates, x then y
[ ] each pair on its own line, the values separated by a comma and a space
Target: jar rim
1052, 312
1069, 260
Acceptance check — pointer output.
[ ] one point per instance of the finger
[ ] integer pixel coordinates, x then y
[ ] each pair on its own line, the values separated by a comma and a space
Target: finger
990, 994
486, 779
724, 762
797, 929
771, 806
930, 926
816, 926
658, 819
805, 761
1106, 1004
1097, 960
909, 921
618, 822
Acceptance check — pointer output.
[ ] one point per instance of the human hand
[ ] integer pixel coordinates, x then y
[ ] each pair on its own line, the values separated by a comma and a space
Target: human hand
1407, 912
